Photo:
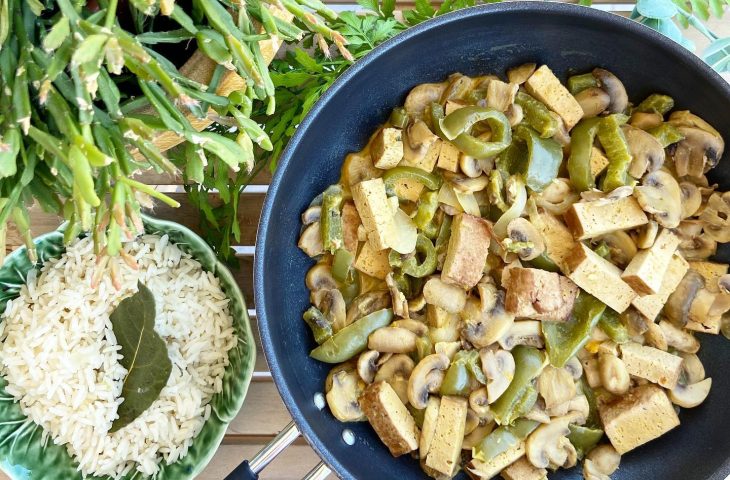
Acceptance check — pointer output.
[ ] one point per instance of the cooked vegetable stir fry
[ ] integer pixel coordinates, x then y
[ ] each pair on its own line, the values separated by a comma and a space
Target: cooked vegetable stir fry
510, 276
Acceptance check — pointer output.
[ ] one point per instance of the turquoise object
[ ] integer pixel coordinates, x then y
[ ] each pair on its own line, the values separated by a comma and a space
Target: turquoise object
23, 456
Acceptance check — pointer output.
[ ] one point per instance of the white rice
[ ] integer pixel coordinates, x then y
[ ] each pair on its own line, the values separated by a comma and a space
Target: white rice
60, 357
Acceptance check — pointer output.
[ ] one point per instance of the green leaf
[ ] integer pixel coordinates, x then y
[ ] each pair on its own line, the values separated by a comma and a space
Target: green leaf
58, 33
717, 8
700, 8
658, 9
36, 6
306, 61
90, 49
388, 7
371, 5
144, 355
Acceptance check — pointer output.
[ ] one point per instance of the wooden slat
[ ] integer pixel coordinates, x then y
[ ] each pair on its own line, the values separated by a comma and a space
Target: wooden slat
262, 414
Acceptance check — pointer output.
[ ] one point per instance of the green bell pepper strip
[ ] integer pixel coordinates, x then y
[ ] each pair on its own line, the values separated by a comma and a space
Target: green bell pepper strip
529, 362
444, 235
525, 403
656, 103
581, 147
404, 285
456, 126
424, 348
342, 264
515, 210
537, 115
350, 288
544, 262
428, 204
331, 220
399, 117
603, 250
564, 339
544, 156
352, 339
592, 421
466, 365
503, 438
428, 180
617, 150
494, 189
578, 83
418, 415
612, 326
584, 439
321, 328
424, 247
667, 134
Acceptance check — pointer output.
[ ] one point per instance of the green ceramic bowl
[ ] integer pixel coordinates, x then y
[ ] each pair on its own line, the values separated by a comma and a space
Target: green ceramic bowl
23, 456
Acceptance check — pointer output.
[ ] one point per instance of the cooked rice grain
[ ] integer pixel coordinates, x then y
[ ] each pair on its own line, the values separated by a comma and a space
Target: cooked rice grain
60, 357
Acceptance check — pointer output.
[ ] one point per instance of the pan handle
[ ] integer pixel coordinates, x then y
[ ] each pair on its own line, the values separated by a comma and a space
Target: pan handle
249, 470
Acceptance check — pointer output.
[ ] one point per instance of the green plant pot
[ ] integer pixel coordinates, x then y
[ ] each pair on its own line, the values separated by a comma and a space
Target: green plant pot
23, 456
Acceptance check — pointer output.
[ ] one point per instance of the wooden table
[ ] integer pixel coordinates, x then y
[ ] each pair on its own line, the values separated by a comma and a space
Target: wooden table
263, 414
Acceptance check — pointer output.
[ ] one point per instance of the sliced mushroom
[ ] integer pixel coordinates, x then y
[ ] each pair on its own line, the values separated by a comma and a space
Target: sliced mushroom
524, 332
645, 121
647, 234
359, 167
556, 386
499, 368
399, 301
421, 97
574, 367
615, 89
700, 247
716, 217
621, 246
479, 402
466, 183
590, 472
449, 297
614, 376
416, 304
593, 375
593, 101
648, 154
561, 135
392, 340
680, 301
521, 73
690, 396
678, 338
692, 368
448, 348
472, 167
310, 242
654, 337
557, 197
546, 445
524, 239
488, 293
332, 304
515, 114
472, 421
691, 199
605, 459
342, 396
366, 304
311, 215
660, 195
396, 371
483, 328
635, 322
319, 277
415, 326
457, 88
367, 365
721, 304
699, 152
537, 413
426, 378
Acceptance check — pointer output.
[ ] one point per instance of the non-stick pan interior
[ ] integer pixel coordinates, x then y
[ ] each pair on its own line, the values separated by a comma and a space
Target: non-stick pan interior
481, 40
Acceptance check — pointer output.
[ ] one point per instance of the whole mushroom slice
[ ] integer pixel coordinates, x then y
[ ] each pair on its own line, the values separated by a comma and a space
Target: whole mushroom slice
690, 396
523, 332
647, 234
645, 120
367, 365
310, 241
479, 402
699, 152
397, 371
654, 337
614, 375
557, 197
415, 326
483, 328
692, 369
474, 168
499, 368
392, 340
679, 338
546, 445
311, 215
691, 199
466, 184
556, 386
332, 304
604, 460
716, 217
524, 239
319, 277
574, 367
342, 396
366, 304
680, 301
614, 88
648, 154
660, 195
426, 378
593, 101
621, 245
399, 300
421, 97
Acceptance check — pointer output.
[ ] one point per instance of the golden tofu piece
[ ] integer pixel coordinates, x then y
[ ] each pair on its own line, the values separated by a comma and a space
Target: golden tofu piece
445, 450
430, 418
545, 86
437, 317
421, 149
599, 217
539, 295
711, 272
559, 242
645, 273
387, 148
653, 364
522, 469
350, 224
467, 252
449, 157
599, 161
600, 278
651, 305
373, 262
390, 418
375, 211
492, 468
643, 414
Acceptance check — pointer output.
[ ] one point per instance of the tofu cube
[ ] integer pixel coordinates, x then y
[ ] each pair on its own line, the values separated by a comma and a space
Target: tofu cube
387, 148
599, 161
599, 217
653, 364
711, 272
492, 468
449, 157
430, 418
522, 469
651, 305
559, 242
445, 450
600, 278
539, 295
467, 252
390, 418
643, 414
421, 149
546, 87
374, 209
645, 273
350, 225
373, 262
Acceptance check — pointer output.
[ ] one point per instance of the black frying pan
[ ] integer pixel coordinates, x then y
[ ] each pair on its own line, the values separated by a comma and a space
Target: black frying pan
479, 40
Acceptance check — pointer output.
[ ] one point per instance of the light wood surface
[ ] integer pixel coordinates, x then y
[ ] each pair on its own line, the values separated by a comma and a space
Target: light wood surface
263, 414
